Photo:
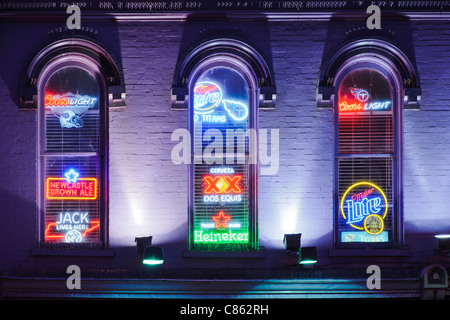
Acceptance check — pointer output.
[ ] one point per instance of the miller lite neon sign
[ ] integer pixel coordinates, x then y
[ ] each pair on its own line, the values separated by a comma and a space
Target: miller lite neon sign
209, 105
364, 207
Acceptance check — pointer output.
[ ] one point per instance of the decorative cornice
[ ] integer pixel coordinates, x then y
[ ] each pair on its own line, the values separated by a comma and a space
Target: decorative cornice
225, 47
80, 46
164, 10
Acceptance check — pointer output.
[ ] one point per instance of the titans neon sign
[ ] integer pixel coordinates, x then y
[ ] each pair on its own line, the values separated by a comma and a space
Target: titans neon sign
210, 107
364, 207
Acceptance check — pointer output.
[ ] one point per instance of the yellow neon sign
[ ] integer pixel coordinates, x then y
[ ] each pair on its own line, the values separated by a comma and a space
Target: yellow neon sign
372, 185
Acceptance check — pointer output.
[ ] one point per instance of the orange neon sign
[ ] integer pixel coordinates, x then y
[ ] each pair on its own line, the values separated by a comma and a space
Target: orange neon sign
222, 184
61, 189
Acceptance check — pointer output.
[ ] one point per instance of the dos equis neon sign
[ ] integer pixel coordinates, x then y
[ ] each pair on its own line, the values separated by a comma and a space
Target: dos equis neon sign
364, 207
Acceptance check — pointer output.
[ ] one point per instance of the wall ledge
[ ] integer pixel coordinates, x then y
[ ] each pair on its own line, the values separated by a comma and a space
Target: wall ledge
260, 254
368, 253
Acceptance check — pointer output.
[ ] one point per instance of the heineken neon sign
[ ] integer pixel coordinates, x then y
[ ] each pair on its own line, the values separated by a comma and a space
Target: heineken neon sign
222, 232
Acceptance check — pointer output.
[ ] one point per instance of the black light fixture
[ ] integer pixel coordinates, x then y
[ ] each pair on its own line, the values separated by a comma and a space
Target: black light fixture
443, 242
292, 242
142, 243
153, 256
307, 255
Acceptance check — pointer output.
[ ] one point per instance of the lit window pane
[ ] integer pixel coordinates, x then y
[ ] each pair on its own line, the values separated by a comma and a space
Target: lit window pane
221, 169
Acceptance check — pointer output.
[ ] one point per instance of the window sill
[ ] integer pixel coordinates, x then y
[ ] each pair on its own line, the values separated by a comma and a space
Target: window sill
73, 252
260, 254
368, 253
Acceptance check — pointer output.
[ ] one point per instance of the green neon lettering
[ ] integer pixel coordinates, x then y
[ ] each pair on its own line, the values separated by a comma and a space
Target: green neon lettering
220, 237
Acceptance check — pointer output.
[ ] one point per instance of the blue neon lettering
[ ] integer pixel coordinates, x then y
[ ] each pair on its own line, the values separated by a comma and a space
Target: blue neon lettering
357, 210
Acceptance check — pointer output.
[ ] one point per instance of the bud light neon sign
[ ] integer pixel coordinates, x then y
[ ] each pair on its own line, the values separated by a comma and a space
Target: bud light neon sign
364, 207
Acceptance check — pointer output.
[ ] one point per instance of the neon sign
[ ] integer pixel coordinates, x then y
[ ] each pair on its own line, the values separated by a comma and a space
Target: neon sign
222, 184
69, 108
223, 189
69, 100
207, 95
364, 207
360, 94
71, 227
237, 110
362, 104
358, 106
221, 220
361, 236
222, 233
71, 187
207, 98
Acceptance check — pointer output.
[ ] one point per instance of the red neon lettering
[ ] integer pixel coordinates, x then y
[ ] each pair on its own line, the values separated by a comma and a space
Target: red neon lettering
361, 195
212, 184
356, 106
205, 89
233, 184
85, 189
50, 102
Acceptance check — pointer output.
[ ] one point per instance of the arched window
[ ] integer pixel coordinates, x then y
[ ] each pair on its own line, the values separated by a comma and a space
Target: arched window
224, 92
367, 152
73, 82
368, 83
222, 113
72, 153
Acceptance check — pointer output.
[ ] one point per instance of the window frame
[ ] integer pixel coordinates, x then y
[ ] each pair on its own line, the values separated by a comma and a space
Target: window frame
249, 76
86, 63
384, 67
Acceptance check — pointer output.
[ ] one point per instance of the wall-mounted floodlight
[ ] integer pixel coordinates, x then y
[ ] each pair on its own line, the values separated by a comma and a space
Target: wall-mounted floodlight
153, 256
142, 243
443, 241
307, 255
292, 242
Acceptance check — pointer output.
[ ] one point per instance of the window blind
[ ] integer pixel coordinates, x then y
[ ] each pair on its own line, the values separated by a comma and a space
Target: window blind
221, 170
365, 159
70, 159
